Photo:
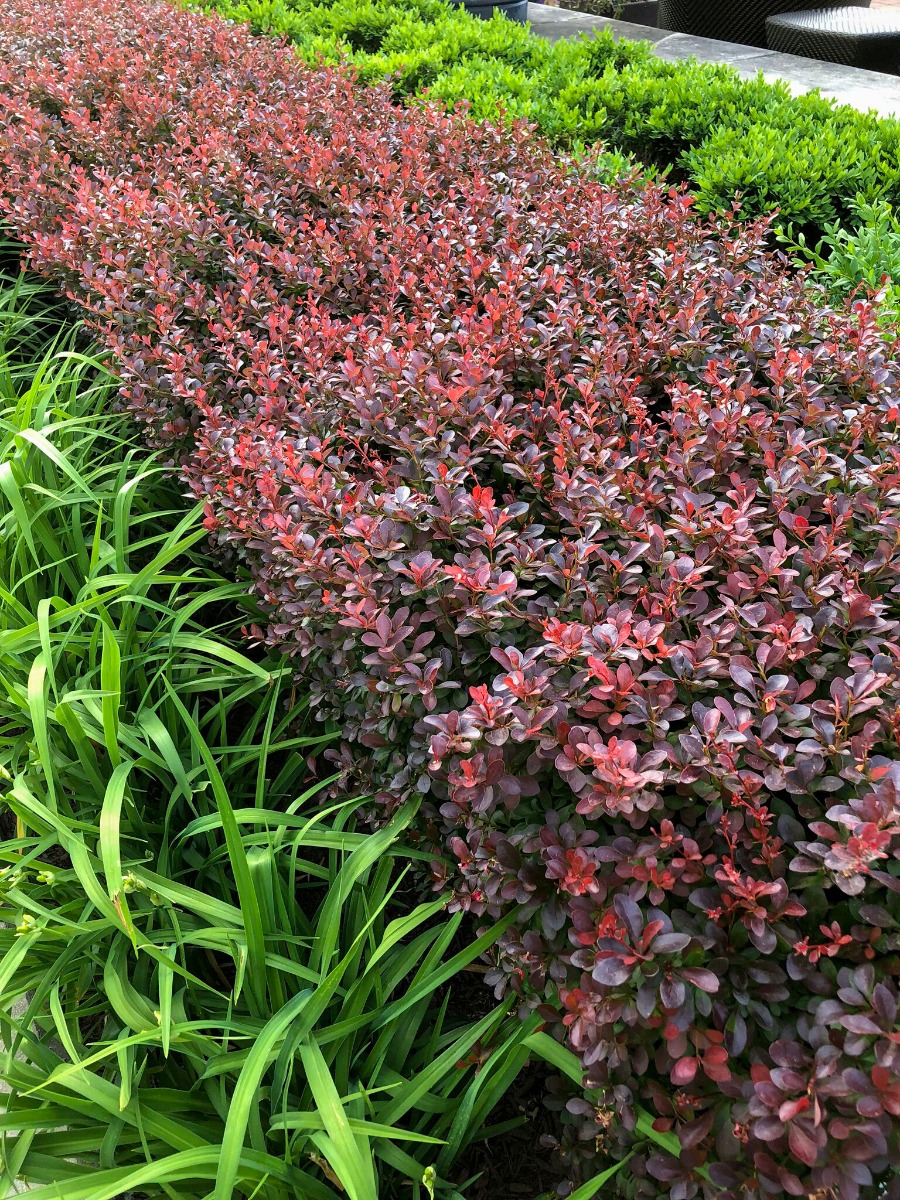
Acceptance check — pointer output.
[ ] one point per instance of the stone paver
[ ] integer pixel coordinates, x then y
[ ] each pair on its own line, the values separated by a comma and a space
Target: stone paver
865, 90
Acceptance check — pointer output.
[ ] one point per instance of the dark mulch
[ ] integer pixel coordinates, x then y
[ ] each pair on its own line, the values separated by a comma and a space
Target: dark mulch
514, 1163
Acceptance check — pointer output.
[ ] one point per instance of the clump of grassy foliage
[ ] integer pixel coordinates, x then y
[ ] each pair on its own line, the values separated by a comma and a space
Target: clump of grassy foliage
213, 985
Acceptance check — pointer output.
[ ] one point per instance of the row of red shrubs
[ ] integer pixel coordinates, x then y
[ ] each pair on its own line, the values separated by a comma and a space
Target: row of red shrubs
578, 514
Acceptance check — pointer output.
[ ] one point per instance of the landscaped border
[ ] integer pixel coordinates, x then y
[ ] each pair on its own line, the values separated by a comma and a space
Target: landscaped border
559, 497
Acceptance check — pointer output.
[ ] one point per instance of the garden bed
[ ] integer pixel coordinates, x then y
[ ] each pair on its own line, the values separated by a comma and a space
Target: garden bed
566, 522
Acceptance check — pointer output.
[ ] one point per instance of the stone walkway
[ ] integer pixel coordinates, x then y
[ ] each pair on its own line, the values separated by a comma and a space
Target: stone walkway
864, 90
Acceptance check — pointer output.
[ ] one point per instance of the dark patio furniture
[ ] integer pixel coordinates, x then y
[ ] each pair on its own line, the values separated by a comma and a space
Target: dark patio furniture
516, 10
640, 12
729, 20
856, 37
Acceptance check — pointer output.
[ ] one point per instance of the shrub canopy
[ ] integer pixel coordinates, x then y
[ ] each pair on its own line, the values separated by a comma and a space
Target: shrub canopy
806, 157
576, 512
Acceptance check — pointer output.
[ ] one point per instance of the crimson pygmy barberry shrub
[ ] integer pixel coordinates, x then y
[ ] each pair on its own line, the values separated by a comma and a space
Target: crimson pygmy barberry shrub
578, 515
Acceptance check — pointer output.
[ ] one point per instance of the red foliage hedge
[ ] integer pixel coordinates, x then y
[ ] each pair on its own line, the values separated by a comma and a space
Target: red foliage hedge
580, 517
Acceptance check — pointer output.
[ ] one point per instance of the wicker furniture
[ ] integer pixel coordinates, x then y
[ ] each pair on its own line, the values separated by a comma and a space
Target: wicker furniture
729, 20
516, 10
856, 37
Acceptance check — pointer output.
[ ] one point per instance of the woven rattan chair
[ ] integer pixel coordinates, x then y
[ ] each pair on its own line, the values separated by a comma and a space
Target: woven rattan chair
729, 20
516, 10
856, 37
